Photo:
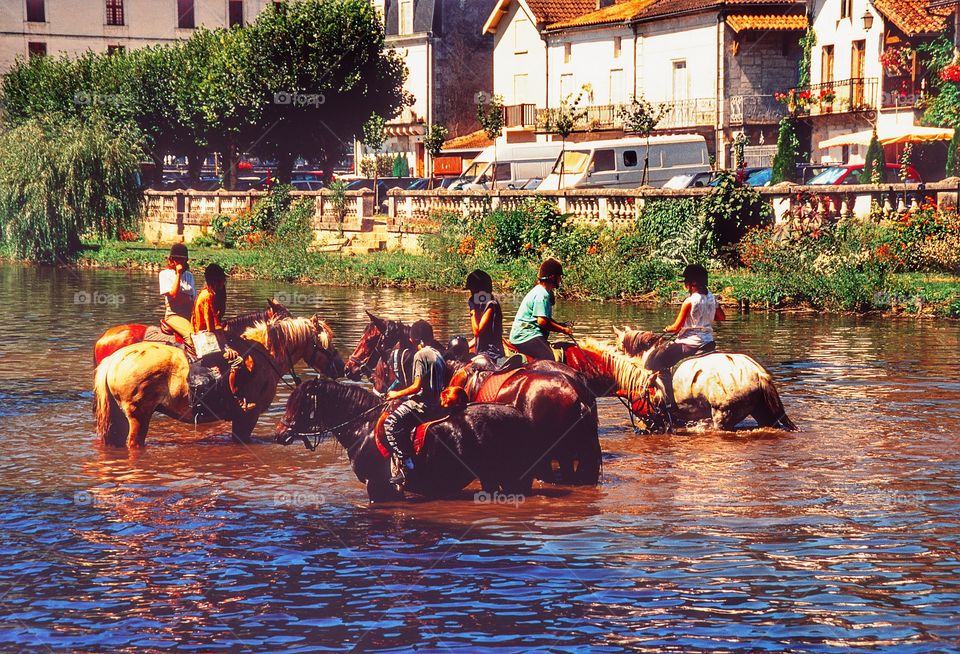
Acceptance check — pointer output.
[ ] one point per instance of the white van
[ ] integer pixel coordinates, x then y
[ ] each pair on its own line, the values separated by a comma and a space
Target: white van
516, 165
619, 163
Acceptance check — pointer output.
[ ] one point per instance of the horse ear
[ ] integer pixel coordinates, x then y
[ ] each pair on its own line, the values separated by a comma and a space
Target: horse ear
618, 332
379, 323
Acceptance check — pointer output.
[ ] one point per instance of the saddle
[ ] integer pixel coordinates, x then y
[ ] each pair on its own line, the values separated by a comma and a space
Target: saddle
487, 389
208, 381
418, 435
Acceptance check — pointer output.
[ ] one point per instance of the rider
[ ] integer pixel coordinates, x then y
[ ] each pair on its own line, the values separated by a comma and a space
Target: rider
423, 394
534, 320
486, 317
178, 288
693, 327
208, 316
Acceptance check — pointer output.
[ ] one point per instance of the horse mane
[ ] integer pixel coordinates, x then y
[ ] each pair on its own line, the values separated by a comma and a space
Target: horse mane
301, 408
631, 376
635, 343
241, 323
280, 337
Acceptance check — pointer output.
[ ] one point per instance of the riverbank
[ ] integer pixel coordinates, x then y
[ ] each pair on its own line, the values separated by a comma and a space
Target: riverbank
643, 280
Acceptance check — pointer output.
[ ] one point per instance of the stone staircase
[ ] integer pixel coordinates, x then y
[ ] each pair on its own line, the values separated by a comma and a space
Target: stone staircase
359, 237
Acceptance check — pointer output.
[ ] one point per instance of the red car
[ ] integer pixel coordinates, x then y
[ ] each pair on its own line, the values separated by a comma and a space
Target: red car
837, 175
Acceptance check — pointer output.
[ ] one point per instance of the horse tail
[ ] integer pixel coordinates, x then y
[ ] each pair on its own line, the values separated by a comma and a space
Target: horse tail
106, 410
774, 405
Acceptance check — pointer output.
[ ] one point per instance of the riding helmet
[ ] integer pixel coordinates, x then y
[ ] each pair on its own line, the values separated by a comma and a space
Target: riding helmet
458, 345
178, 251
479, 281
550, 268
695, 274
421, 332
214, 273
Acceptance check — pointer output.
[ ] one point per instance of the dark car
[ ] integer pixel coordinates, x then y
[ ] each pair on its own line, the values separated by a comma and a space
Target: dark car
845, 175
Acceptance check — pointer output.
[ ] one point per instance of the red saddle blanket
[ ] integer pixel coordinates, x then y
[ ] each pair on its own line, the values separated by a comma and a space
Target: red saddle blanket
419, 437
490, 388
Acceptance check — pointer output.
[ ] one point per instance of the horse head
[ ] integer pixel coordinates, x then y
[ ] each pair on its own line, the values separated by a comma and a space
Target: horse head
324, 357
635, 343
364, 358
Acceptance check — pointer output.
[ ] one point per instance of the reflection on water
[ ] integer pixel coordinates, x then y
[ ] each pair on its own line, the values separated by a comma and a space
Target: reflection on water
841, 536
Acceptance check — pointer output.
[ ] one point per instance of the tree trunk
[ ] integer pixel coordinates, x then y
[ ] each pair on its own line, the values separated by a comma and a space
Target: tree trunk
230, 161
195, 164
285, 167
157, 173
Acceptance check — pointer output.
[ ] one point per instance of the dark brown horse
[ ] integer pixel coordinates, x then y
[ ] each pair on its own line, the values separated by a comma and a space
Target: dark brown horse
559, 406
122, 335
380, 337
489, 442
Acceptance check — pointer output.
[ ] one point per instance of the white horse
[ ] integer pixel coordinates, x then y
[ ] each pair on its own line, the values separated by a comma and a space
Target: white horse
723, 387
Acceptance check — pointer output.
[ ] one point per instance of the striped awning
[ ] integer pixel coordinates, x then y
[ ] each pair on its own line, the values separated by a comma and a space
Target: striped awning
405, 130
780, 22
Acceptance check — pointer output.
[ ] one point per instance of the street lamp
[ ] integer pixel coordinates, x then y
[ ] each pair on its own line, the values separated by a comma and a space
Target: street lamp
867, 20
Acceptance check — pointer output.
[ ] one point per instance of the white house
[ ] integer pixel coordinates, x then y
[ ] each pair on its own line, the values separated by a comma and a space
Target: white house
854, 37
713, 65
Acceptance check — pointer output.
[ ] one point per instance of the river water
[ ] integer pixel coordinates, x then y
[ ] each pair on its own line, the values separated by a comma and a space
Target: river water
843, 536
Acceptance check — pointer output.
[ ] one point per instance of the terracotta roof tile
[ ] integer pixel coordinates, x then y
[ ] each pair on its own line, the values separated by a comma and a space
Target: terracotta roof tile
910, 16
662, 8
787, 22
550, 11
472, 141
618, 13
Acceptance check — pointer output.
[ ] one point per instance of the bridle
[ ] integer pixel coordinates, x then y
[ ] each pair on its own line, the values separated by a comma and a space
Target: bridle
373, 357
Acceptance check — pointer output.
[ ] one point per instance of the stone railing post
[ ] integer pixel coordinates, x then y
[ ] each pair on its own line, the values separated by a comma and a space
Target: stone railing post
603, 209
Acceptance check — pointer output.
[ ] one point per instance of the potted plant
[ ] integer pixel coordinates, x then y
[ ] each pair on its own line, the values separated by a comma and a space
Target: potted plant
827, 96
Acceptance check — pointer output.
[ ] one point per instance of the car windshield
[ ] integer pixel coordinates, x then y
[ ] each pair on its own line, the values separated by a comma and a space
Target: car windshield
476, 169
573, 163
829, 176
679, 182
760, 177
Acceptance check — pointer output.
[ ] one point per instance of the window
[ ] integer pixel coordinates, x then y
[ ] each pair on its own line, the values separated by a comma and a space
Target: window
185, 14
826, 64
406, 16
604, 160
566, 86
630, 158
846, 8
502, 173
616, 87
36, 12
680, 81
36, 49
235, 13
858, 55
617, 40
116, 49
519, 25
566, 52
519, 89
114, 12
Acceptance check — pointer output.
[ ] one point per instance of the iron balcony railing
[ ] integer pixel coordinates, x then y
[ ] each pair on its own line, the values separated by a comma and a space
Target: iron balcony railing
694, 112
855, 94
520, 115
754, 110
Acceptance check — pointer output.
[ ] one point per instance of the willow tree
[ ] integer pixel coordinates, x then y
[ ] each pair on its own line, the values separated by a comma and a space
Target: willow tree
61, 180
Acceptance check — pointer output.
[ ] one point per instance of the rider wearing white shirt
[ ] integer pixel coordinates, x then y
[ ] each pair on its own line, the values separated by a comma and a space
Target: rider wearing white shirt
177, 286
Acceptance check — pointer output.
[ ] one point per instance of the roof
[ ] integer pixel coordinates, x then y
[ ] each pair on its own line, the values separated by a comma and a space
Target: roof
933, 4
472, 141
618, 13
663, 8
542, 11
910, 16
782, 22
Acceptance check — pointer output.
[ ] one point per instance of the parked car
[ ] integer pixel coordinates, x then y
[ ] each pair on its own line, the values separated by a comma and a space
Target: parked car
620, 163
423, 184
532, 184
850, 174
759, 177
515, 165
806, 171
689, 180
447, 182
306, 185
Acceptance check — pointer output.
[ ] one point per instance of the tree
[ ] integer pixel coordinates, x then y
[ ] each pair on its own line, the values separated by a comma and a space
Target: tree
490, 117
874, 164
563, 120
374, 134
61, 179
788, 152
641, 118
953, 155
433, 142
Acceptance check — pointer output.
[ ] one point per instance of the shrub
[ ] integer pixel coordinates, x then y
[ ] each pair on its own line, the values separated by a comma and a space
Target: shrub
523, 232
732, 208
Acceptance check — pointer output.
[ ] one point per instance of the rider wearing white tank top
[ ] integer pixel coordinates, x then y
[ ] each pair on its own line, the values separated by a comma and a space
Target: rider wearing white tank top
697, 328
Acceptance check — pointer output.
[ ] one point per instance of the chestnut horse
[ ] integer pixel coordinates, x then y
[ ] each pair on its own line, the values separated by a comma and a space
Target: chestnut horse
380, 337
122, 335
721, 387
489, 442
138, 380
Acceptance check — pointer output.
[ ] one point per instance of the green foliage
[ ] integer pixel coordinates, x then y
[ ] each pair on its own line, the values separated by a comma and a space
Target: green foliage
434, 139
788, 152
943, 108
286, 255
523, 232
490, 116
732, 208
338, 199
563, 120
62, 180
807, 43
375, 132
640, 116
874, 165
952, 169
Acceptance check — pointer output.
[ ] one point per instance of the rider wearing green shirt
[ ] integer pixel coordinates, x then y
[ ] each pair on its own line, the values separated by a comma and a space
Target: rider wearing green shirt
534, 320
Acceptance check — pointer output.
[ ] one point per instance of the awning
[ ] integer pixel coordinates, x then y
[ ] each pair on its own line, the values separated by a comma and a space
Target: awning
765, 22
405, 130
890, 136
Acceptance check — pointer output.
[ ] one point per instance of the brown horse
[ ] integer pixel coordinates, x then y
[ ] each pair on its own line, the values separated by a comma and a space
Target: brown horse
492, 443
380, 337
122, 335
138, 380
721, 387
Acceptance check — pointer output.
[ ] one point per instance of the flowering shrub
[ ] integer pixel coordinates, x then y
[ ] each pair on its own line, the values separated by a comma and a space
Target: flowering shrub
920, 239
827, 96
796, 100
897, 61
951, 73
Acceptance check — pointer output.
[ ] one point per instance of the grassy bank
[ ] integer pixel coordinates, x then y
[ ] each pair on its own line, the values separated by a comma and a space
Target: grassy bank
594, 277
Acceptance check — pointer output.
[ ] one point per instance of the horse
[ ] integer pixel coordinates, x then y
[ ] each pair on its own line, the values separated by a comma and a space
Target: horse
380, 337
721, 387
140, 379
122, 335
489, 442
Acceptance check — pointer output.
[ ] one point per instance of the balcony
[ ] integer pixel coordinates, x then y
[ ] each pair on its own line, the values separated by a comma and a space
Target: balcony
903, 92
754, 110
689, 113
857, 94
520, 116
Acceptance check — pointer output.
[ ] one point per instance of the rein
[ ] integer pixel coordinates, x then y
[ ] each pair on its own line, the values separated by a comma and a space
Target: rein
290, 435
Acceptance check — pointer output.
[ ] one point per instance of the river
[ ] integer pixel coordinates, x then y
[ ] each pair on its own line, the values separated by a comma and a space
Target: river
841, 536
